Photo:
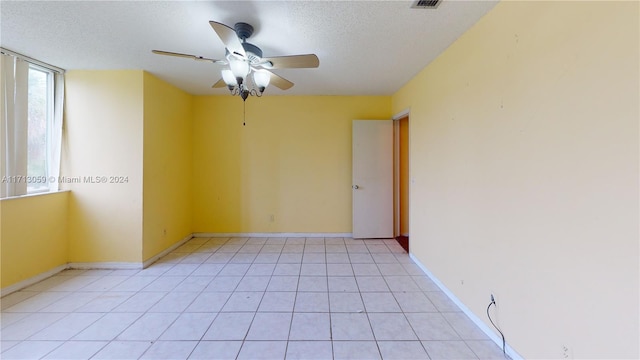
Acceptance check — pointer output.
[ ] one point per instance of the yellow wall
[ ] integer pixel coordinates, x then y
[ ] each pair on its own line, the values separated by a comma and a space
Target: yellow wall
167, 165
27, 249
524, 153
103, 136
292, 160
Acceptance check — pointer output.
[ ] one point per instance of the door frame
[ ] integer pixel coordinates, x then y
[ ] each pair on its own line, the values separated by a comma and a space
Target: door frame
396, 169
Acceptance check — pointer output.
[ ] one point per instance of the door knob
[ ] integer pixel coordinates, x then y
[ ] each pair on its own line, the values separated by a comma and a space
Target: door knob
356, 187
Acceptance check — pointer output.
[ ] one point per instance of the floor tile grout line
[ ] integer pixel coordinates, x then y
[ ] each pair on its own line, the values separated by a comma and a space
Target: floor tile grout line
173, 322
365, 311
203, 259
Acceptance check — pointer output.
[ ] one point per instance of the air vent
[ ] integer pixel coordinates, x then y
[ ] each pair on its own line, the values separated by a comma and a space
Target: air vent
425, 4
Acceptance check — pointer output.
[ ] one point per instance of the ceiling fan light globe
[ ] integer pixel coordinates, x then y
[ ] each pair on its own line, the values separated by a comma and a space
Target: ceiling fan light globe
239, 68
261, 78
228, 78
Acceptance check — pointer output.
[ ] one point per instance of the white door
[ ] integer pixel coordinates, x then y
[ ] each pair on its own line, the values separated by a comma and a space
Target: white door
372, 179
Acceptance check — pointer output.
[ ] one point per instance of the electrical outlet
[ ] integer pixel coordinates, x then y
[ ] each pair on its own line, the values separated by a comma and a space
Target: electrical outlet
272, 218
566, 352
164, 232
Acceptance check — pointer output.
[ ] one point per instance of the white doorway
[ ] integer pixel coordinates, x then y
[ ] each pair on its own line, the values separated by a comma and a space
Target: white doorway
372, 179
401, 180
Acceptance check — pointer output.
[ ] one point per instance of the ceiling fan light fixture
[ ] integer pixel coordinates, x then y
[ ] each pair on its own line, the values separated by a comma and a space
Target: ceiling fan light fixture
229, 79
239, 68
244, 94
261, 78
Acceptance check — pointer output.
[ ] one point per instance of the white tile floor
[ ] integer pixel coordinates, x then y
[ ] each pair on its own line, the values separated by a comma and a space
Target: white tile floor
242, 298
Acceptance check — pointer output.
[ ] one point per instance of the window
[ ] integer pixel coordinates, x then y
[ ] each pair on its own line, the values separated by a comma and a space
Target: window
31, 125
39, 127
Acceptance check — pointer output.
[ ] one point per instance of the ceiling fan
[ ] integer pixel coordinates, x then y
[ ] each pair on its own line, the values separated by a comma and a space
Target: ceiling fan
243, 59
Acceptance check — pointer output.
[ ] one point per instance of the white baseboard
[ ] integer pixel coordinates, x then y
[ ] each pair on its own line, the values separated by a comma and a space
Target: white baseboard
32, 280
105, 265
140, 265
476, 320
89, 266
273, 235
166, 251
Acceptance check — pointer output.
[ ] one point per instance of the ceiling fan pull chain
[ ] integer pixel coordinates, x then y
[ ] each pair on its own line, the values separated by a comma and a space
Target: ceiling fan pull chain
244, 113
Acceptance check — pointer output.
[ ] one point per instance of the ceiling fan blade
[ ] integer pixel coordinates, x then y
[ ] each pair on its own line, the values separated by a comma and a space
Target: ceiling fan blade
219, 84
188, 56
229, 38
279, 81
293, 61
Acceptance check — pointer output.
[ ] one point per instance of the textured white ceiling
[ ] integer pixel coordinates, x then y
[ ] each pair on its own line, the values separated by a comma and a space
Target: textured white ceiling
364, 47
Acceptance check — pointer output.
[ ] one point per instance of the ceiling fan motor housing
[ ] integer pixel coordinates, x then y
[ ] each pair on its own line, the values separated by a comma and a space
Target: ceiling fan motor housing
243, 30
254, 54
